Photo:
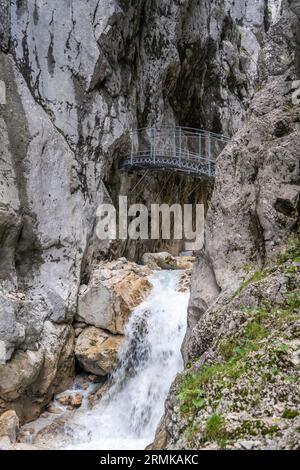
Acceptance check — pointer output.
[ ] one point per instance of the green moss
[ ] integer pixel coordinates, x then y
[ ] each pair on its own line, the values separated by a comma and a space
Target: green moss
204, 387
191, 431
255, 427
292, 250
266, 321
215, 430
272, 318
248, 268
255, 331
281, 348
291, 254
227, 348
249, 428
256, 277
291, 378
290, 107
293, 300
192, 393
290, 414
270, 430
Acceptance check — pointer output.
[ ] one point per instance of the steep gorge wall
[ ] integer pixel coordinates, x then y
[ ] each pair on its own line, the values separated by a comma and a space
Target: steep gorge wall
255, 204
242, 344
78, 76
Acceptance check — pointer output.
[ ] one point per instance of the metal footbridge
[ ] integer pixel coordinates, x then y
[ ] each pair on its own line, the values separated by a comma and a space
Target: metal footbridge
181, 149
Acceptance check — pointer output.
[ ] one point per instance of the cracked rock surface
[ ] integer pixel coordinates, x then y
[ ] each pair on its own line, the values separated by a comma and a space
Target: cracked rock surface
240, 387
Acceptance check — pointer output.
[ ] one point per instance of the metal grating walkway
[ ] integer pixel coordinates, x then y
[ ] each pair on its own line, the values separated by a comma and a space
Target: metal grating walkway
182, 149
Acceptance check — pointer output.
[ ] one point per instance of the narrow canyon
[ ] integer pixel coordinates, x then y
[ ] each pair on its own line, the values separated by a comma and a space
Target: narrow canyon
134, 343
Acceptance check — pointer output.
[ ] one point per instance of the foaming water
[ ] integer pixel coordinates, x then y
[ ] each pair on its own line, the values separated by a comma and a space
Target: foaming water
150, 358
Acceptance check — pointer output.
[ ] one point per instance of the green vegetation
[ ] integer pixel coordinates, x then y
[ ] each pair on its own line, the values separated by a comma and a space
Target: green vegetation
227, 348
256, 277
290, 414
235, 353
290, 254
255, 331
215, 430
264, 322
262, 340
192, 394
256, 426
191, 430
292, 251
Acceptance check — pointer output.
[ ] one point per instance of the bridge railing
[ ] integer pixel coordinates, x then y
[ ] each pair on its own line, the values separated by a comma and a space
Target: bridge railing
182, 148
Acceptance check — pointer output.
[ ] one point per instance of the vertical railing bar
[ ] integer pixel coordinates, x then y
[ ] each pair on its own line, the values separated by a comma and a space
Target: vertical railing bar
200, 147
174, 143
154, 146
132, 148
209, 152
151, 143
180, 143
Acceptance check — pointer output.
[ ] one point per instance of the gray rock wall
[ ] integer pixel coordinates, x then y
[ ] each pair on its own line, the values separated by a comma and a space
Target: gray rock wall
253, 216
255, 203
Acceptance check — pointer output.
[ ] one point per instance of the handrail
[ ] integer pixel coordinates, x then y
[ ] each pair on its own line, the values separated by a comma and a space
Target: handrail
185, 149
193, 129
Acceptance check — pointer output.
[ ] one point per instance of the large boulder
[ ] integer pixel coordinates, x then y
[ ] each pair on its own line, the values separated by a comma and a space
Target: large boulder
9, 425
97, 350
29, 380
114, 290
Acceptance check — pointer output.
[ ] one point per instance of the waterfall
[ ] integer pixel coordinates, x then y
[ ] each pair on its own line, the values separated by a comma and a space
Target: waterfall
149, 359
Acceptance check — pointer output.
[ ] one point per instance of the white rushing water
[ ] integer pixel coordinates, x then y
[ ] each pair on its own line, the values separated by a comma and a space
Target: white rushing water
127, 416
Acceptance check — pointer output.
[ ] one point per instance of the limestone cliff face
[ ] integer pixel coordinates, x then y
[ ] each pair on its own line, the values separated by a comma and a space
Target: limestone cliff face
78, 74
255, 204
243, 333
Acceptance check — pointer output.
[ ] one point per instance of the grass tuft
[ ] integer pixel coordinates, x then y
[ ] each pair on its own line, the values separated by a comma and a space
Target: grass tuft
215, 430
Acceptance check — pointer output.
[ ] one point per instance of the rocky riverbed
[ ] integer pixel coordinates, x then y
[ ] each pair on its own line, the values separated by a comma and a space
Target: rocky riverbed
105, 306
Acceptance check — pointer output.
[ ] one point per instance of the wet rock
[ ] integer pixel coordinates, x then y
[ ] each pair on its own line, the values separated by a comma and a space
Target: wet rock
161, 437
72, 400
94, 379
63, 399
185, 262
29, 447
184, 281
75, 400
53, 409
97, 350
95, 397
51, 434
